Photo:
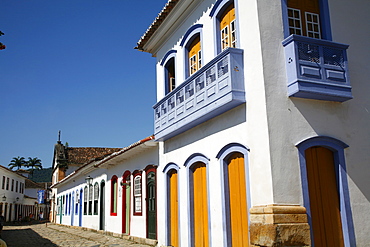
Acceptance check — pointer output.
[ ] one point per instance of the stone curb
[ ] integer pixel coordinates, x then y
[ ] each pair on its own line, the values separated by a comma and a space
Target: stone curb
138, 240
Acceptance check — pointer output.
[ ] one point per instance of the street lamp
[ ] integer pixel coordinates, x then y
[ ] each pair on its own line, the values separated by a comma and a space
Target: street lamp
89, 180
4, 198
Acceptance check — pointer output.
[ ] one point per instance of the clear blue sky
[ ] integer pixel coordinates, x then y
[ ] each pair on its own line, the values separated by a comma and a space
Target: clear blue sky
70, 65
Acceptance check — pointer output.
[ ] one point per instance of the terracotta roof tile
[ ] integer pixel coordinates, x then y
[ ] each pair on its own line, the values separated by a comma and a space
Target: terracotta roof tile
156, 23
81, 155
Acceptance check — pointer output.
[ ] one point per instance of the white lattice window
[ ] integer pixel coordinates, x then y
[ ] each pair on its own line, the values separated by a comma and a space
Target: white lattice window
233, 33
137, 194
225, 38
313, 25
295, 22
193, 64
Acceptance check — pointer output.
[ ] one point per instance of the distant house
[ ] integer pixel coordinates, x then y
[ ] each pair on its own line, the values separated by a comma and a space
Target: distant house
67, 160
112, 193
12, 192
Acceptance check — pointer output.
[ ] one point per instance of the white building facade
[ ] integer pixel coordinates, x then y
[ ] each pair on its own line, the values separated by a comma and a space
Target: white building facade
261, 131
12, 189
262, 122
112, 194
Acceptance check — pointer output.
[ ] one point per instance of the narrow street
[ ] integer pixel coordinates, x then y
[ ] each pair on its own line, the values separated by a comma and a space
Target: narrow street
36, 235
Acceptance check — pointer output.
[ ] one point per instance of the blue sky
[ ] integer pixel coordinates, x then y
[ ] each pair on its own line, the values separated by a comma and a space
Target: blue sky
70, 65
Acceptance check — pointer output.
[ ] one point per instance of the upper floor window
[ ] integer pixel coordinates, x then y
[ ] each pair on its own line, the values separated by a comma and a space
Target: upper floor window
7, 183
16, 186
12, 185
170, 75
228, 27
3, 187
195, 55
304, 18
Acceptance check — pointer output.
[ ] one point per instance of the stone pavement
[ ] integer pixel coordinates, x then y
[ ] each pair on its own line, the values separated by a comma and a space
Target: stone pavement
37, 235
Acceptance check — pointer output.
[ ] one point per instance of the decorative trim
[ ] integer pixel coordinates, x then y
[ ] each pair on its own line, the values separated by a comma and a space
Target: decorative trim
190, 33
167, 56
170, 166
337, 147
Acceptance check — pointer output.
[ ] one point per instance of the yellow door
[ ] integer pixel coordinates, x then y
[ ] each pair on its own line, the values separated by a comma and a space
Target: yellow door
174, 209
195, 56
228, 28
238, 201
200, 205
324, 199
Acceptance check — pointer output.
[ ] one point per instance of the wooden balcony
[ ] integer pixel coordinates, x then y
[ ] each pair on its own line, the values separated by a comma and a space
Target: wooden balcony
214, 89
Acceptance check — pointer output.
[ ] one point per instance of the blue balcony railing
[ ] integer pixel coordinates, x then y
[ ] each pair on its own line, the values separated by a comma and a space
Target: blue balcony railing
214, 89
317, 69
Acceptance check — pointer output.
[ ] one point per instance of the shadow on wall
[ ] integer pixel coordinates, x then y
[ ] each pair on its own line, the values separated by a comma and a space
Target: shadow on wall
225, 121
346, 122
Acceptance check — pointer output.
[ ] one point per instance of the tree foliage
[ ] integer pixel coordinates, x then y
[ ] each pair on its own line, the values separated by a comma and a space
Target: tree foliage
19, 162
34, 163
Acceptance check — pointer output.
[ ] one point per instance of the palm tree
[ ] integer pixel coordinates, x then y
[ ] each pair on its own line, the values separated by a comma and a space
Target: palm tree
34, 163
17, 162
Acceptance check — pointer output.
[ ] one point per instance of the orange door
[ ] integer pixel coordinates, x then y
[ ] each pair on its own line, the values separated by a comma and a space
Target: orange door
228, 28
174, 209
200, 206
195, 56
324, 198
238, 201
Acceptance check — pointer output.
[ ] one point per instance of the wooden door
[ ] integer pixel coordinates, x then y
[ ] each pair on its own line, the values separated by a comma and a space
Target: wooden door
324, 199
126, 203
173, 209
151, 206
238, 201
102, 207
200, 205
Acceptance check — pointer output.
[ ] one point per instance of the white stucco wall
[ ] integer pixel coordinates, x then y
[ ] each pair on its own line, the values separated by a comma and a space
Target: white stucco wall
274, 123
111, 223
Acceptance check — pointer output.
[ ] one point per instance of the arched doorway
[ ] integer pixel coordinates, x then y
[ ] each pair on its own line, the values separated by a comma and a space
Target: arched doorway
199, 204
236, 200
151, 202
102, 206
323, 196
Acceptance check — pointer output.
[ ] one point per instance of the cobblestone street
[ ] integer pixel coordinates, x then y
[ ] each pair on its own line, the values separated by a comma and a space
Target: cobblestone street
36, 235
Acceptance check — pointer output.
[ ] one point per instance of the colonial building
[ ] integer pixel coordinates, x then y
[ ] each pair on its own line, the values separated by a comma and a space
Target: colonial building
262, 122
66, 160
261, 131
114, 193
